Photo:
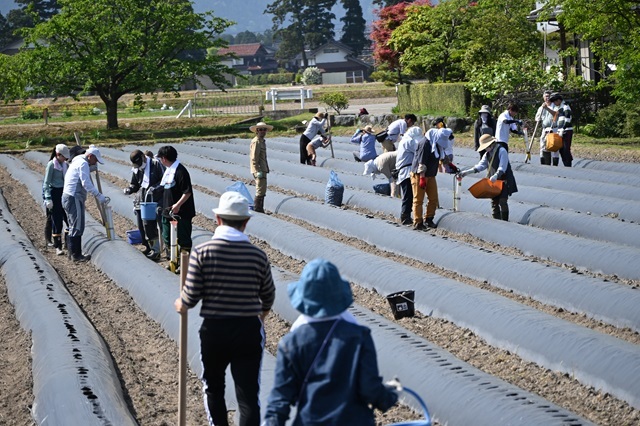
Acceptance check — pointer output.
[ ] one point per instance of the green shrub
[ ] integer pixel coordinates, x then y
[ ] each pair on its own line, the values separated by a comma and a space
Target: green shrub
311, 75
67, 112
337, 101
31, 112
610, 121
451, 98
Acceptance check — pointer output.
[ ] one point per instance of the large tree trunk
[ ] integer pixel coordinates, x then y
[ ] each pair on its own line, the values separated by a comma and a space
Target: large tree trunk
112, 113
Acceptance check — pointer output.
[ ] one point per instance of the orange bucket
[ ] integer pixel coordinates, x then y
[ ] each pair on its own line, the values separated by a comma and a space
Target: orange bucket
554, 142
484, 188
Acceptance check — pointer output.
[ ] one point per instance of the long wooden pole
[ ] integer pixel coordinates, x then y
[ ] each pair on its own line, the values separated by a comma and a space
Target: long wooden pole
184, 317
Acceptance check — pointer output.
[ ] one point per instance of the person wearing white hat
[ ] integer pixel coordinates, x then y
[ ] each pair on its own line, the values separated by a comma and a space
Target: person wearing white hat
314, 127
484, 125
383, 164
407, 149
77, 183
326, 366
496, 159
52, 193
259, 164
232, 279
366, 138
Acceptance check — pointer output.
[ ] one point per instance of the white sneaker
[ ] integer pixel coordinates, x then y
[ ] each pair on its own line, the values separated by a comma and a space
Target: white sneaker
59, 252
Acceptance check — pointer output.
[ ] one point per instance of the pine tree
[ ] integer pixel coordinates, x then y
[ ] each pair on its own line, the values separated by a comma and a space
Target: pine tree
354, 26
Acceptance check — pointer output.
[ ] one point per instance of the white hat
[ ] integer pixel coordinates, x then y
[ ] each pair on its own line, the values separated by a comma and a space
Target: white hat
485, 108
233, 206
261, 125
63, 150
96, 152
370, 168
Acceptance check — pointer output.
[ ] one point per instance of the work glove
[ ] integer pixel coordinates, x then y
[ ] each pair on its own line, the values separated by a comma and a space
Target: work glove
258, 175
494, 177
127, 191
48, 204
465, 173
101, 199
357, 132
560, 132
395, 384
423, 182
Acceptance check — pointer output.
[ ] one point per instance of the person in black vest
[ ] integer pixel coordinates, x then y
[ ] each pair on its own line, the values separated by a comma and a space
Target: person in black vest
485, 125
496, 159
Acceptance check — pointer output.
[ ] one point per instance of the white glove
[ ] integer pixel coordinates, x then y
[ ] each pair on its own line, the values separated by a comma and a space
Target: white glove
258, 175
494, 178
560, 132
101, 199
48, 204
395, 384
127, 191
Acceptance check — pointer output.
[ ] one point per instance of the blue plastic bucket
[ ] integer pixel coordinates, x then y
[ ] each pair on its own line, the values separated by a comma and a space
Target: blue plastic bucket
134, 237
148, 210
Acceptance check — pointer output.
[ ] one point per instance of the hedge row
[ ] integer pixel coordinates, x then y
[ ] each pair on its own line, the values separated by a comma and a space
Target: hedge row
450, 98
279, 78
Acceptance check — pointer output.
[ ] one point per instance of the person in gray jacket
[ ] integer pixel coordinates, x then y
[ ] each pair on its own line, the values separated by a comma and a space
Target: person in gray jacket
146, 175
77, 183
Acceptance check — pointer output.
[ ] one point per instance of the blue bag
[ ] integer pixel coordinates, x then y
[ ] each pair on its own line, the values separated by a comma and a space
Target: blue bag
334, 191
242, 189
382, 188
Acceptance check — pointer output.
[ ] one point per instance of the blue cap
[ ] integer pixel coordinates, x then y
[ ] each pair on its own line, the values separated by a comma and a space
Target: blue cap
320, 292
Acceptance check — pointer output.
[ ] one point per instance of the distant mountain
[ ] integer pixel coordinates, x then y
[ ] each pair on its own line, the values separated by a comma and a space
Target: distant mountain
248, 14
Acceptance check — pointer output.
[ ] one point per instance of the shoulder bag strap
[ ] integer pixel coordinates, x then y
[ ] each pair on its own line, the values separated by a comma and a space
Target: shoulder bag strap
315, 360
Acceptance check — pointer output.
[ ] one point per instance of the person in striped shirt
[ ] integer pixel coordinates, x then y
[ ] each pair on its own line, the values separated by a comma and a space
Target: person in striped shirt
232, 278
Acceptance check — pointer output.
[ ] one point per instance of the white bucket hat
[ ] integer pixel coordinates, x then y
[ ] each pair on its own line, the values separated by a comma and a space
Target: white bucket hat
233, 206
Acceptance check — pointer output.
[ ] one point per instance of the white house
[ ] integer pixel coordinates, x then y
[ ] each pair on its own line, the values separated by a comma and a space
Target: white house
337, 64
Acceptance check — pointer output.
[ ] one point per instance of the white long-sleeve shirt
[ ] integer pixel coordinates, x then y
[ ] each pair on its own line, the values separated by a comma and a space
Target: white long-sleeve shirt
77, 180
396, 129
314, 127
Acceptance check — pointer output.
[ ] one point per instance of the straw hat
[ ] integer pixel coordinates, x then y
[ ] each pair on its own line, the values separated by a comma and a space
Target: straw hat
233, 206
319, 115
320, 292
485, 142
484, 108
261, 125
63, 150
368, 128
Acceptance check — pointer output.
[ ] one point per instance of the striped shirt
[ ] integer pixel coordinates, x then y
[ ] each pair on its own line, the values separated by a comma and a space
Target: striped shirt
232, 278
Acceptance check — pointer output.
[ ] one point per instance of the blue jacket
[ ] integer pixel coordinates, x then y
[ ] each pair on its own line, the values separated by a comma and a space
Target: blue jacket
343, 381
367, 143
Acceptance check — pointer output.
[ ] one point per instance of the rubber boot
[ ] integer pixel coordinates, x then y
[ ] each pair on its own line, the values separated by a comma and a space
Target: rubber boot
258, 205
57, 244
504, 215
545, 158
556, 161
430, 223
48, 231
66, 239
147, 249
69, 244
154, 252
77, 250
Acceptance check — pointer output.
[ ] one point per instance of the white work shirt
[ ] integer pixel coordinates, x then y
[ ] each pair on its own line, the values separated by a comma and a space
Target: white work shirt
77, 180
396, 129
406, 151
503, 129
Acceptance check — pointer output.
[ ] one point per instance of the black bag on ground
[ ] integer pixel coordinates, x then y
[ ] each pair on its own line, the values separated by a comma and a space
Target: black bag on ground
382, 136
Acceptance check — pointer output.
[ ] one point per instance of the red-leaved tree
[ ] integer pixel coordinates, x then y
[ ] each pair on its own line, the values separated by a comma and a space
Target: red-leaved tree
389, 18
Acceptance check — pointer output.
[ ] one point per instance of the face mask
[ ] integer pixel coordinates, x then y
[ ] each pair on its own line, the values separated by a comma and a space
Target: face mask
144, 164
484, 116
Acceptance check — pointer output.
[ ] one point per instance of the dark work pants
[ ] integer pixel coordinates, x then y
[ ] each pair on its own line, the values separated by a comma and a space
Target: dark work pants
184, 232
407, 199
305, 158
565, 151
238, 342
148, 228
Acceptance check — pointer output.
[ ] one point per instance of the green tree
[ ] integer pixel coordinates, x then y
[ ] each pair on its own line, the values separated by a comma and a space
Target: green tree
613, 29
245, 37
430, 40
301, 24
116, 47
354, 26
337, 101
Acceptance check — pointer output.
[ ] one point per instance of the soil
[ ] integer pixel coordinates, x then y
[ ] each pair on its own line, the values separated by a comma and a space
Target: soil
146, 358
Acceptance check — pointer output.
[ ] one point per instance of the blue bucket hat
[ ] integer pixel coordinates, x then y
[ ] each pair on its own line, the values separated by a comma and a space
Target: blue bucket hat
320, 292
